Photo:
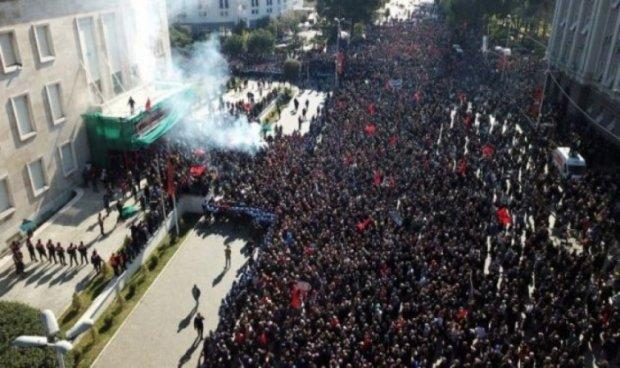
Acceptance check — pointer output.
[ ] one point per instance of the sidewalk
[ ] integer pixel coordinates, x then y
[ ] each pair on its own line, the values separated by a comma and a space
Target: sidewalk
50, 286
159, 331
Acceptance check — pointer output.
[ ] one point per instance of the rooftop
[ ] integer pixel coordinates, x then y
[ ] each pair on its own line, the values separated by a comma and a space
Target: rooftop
119, 106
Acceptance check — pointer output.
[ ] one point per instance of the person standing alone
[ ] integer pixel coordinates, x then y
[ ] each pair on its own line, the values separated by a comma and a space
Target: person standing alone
199, 324
227, 253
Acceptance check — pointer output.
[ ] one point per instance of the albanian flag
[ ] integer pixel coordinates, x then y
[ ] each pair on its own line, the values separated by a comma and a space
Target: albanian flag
370, 129
197, 170
417, 96
363, 225
372, 109
393, 140
462, 97
503, 216
377, 178
487, 150
462, 167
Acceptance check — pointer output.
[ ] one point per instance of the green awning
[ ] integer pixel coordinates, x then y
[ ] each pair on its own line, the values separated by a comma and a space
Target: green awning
107, 133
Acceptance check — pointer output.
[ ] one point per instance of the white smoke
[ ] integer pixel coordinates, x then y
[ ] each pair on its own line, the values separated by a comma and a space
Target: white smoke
206, 69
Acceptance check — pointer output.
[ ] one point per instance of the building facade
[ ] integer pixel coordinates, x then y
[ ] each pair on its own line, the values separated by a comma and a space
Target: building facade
584, 55
203, 15
59, 59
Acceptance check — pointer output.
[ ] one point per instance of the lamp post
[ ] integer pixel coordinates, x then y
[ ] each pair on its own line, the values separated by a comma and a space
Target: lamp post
338, 20
51, 340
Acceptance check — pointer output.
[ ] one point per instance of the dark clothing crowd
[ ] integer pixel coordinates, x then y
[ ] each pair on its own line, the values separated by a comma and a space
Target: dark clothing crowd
420, 223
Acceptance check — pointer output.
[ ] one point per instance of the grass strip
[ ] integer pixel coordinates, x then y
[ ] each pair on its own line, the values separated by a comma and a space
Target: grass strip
88, 348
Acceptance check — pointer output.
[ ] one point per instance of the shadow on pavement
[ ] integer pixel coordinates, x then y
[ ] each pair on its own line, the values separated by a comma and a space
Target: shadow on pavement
220, 276
185, 321
188, 354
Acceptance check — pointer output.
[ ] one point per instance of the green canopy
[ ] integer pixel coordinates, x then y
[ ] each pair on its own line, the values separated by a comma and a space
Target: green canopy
107, 133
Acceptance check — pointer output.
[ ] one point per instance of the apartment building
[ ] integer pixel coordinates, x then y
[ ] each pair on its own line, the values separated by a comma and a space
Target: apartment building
60, 59
203, 15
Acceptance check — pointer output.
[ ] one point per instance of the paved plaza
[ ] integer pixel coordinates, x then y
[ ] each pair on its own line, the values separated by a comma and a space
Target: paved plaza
289, 118
50, 286
159, 332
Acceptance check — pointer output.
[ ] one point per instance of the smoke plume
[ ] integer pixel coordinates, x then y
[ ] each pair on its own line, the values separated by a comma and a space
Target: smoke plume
206, 70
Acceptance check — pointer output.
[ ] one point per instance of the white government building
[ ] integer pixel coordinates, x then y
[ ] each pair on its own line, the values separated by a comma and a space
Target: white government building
203, 15
59, 59
584, 54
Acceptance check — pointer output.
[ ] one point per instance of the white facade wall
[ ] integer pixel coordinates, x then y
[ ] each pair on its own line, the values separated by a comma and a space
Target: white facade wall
585, 43
227, 13
54, 43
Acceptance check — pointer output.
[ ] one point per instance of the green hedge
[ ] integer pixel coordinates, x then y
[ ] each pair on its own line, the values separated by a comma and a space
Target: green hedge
19, 319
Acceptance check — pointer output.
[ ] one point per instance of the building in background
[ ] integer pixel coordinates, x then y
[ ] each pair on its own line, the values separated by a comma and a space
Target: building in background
584, 56
208, 15
60, 59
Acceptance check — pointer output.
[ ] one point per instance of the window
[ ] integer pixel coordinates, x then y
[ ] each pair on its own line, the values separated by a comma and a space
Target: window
6, 205
90, 54
67, 158
111, 36
269, 2
22, 114
54, 103
9, 53
254, 3
36, 172
223, 4
45, 46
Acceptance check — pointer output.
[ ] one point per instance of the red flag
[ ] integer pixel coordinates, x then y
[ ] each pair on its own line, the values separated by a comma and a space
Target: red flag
340, 62
263, 339
417, 96
503, 216
462, 97
363, 225
372, 109
461, 314
147, 107
197, 170
170, 178
295, 298
377, 179
462, 167
468, 120
199, 152
370, 129
393, 140
487, 150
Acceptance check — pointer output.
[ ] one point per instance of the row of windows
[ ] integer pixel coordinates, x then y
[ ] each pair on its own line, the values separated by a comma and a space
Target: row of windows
21, 112
10, 56
37, 175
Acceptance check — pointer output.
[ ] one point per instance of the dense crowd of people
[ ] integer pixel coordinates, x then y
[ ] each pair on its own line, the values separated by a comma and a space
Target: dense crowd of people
420, 223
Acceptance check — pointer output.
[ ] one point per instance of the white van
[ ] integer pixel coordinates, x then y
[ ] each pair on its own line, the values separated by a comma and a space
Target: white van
571, 165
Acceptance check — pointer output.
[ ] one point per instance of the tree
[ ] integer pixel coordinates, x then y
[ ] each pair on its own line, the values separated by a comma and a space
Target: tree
233, 45
291, 69
354, 10
261, 42
358, 32
240, 27
18, 319
180, 36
